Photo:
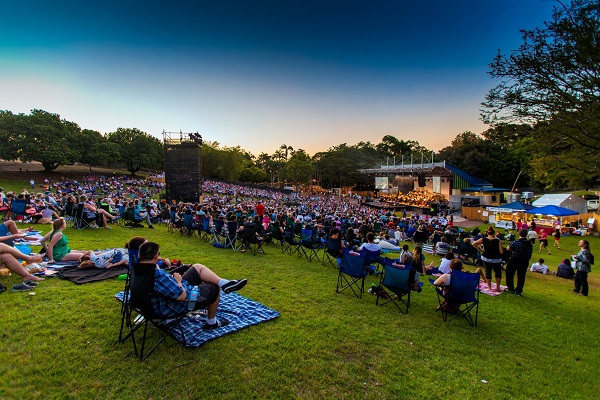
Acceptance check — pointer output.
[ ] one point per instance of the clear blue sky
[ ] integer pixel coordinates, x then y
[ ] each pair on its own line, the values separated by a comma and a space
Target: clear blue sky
310, 74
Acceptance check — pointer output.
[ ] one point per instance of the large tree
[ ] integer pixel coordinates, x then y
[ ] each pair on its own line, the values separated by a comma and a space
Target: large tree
40, 136
97, 149
138, 149
552, 82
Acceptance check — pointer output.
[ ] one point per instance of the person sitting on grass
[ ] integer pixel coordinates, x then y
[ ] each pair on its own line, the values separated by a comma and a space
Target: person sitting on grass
56, 244
9, 258
444, 267
172, 292
565, 270
442, 248
539, 267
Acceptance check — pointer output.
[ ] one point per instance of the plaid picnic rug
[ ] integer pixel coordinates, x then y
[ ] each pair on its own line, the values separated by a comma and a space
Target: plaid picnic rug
240, 311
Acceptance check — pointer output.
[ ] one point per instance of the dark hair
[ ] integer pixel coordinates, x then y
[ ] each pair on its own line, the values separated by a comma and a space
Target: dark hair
135, 243
405, 247
523, 233
370, 237
456, 264
541, 261
449, 255
148, 250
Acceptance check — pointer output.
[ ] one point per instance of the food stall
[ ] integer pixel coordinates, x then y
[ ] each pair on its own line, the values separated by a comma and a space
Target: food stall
549, 217
506, 216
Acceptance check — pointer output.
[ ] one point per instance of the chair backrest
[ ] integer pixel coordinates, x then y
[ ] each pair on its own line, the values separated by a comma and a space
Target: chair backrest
462, 287
334, 244
354, 264
141, 287
133, 257
219, 225
18, 206
396, 277
249, 231
372, 256
187, 220
205, 224
70, 209
307, 236
232, 228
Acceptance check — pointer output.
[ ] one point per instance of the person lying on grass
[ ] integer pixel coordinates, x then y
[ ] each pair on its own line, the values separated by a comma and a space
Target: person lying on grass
9, 258
172, 292
104, 259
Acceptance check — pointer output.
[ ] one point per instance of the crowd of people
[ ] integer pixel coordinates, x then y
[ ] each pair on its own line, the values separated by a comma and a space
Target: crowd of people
269, 213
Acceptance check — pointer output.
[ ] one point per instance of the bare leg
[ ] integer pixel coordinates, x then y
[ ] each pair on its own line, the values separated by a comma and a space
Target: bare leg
11, 262
206, 275
75, 255
498, 284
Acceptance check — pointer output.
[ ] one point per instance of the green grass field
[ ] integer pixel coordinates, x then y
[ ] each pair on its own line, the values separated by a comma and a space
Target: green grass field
62, 342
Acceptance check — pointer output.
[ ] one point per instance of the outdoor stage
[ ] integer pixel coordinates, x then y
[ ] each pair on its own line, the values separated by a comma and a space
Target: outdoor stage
394, 206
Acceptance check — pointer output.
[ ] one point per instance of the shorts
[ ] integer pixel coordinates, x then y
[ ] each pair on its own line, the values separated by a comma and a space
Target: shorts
489, 267
209, 291
544, 242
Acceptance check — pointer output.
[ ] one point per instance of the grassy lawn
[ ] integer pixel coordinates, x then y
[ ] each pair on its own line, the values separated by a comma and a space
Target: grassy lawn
62, 342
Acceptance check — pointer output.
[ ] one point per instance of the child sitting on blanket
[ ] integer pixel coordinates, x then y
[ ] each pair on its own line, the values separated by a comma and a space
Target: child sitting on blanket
106, 259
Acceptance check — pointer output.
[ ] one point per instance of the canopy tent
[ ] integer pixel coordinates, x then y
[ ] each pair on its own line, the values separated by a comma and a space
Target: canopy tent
515, 206
553, 211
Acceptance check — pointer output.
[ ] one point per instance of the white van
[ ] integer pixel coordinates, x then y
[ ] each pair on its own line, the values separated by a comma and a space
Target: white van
592, 205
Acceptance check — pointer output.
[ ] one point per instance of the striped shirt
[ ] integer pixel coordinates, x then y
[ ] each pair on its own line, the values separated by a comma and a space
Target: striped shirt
521, 248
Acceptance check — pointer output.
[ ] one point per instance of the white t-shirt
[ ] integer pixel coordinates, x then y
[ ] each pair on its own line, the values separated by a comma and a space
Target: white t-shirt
445, 266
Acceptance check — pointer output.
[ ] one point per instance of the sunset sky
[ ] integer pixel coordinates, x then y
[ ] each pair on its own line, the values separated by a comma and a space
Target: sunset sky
310, 74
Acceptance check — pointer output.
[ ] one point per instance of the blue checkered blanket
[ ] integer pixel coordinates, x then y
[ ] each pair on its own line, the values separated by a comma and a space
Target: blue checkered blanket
240, 311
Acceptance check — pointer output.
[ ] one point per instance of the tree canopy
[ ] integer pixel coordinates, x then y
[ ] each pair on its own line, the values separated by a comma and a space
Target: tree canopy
552, 83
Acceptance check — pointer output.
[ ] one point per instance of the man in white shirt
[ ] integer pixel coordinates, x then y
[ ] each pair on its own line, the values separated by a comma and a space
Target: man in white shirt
539, 267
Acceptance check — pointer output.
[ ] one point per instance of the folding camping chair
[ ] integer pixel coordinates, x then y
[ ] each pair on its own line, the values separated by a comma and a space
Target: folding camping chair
460, 298
18, 212
290, 245
231, 239
373, 257
309, 247
141, 288
395, 283
217, 231
80, 220
188, 228
332, 252
352, 273
126, 322
250, 240
205, 231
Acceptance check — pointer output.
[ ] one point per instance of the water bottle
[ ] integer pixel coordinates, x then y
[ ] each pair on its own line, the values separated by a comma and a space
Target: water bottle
193, 298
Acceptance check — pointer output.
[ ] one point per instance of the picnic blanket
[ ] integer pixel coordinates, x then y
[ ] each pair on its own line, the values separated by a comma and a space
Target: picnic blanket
80, 276
240, 311
483, 288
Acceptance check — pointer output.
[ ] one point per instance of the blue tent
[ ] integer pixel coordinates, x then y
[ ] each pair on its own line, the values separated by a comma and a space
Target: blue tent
553, 211
516, 206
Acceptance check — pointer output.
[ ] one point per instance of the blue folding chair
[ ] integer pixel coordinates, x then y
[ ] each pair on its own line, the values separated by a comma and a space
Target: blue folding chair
352, 273
460, 298
308, 245
332, 252
395, 285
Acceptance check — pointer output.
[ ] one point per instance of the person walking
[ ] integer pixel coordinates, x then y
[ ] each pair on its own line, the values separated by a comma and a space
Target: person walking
583, 262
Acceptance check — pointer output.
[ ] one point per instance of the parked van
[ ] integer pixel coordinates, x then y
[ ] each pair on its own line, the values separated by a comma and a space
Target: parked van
592, 205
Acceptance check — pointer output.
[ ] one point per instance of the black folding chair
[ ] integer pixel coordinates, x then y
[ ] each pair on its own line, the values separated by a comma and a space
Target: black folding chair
141, 292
